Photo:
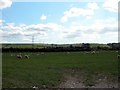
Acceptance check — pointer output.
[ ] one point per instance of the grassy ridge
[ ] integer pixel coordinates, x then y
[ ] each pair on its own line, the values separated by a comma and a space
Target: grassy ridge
48, 69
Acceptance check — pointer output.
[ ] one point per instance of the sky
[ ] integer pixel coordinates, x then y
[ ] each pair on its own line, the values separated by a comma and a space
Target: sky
59, 22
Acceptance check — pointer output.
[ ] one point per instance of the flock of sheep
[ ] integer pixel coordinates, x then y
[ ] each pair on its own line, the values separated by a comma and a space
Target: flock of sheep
20, 56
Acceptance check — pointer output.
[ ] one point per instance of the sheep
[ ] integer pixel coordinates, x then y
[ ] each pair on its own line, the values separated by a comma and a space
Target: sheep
118, 56
42, 53
86, 52
93, 52
11, 54
19, 56
26, 56
37, 54
116, 51
35, 87
68, 52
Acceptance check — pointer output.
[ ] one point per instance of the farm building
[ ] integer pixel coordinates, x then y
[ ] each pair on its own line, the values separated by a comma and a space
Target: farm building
85, 46
114, 45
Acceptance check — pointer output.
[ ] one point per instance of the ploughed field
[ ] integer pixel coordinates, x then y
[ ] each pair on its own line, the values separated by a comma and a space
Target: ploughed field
60, 69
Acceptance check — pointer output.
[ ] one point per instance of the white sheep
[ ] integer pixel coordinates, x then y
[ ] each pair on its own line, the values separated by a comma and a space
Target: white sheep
35, 87
19, 56
42, 53
86, 52
68, 52
118, 56
26, 56
93, 52
37, 54
11, 54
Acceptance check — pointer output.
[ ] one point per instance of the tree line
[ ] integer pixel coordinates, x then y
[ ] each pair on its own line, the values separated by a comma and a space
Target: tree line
58, 49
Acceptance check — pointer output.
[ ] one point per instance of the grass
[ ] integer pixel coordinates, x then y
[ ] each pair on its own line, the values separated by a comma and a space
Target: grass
48, 69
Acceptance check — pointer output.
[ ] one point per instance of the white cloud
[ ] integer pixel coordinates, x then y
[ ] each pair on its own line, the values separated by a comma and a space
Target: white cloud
93, 6
24, 32
94, 32
5, 3
12, 29
76, 12
1, 22
109, 37
111, 5
55, 33
43, 17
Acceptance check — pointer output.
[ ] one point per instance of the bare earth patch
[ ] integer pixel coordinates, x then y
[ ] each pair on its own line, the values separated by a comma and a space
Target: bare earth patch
76, 82
71, 82
105, 82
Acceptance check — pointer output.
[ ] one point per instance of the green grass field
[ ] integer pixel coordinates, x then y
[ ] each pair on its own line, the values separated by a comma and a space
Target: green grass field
49, 68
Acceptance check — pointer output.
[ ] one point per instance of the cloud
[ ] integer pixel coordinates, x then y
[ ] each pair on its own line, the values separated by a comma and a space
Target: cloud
24, 32
1, 22
111, 5
93, 6
93, 31
5, 3
13, 29
96, 31
76, 12
43, 17
73, 34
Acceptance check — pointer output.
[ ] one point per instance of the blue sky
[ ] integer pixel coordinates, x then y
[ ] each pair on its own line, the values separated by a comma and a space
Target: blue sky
29, 13
59, 22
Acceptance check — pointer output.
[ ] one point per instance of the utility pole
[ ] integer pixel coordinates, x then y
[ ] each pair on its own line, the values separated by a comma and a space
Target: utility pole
33, 41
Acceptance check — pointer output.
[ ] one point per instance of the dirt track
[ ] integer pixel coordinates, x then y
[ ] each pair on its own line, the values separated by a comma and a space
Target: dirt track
75, 82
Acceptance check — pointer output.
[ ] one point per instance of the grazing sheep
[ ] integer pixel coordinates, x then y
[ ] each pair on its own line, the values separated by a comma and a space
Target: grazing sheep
93, 52
44, 86
68, 52
118, 56
26, 56
42, 53
11, 54
86, 52
37, 54
35, 87
19, 56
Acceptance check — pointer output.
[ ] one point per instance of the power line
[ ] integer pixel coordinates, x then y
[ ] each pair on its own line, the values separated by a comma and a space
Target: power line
33, 41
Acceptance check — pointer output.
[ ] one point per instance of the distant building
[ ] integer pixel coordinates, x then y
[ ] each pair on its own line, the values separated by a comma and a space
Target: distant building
85, 46
114, 45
